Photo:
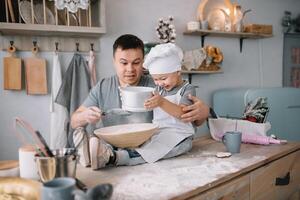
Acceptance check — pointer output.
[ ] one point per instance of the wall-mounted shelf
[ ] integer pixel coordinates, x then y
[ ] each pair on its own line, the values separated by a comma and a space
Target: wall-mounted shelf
52, 25
240, 35
50, 30
190, 73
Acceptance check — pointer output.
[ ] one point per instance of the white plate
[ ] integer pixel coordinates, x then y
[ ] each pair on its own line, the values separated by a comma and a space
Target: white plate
216, 20
25, 12
39, 14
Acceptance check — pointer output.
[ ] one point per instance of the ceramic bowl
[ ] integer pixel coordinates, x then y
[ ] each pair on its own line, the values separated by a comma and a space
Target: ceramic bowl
133, 98
127, 135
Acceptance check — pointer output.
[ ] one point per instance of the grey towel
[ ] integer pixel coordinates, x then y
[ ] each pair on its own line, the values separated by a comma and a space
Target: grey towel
74, 89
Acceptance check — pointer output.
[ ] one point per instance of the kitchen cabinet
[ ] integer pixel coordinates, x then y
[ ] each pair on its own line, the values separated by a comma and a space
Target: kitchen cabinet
258, 172
240, 35
291, 60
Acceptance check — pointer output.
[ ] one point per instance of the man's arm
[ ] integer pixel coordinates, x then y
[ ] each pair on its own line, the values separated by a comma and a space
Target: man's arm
172, 108
197, 112
83, 115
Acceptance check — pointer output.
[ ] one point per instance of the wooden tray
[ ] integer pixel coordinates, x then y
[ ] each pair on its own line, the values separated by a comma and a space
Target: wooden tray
258, 28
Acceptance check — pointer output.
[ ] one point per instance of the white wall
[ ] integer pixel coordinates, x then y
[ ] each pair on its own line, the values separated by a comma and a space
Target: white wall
259, 65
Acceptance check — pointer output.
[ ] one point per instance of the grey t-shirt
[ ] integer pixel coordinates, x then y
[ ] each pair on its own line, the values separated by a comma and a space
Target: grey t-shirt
105, 94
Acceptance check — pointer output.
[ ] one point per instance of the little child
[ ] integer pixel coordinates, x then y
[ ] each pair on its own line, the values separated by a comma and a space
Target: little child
174, 136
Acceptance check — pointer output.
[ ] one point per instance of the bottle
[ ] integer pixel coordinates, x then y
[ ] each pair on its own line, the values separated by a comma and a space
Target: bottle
238, 18
287, 21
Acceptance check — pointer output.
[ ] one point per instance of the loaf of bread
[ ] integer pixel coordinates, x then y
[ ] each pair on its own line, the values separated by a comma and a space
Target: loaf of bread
215, 53
19, 188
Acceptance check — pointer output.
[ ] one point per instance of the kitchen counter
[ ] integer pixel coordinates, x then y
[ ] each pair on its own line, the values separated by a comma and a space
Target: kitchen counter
258, 172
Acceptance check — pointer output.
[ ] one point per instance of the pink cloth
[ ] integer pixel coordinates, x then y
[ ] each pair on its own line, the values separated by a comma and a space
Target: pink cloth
257, 139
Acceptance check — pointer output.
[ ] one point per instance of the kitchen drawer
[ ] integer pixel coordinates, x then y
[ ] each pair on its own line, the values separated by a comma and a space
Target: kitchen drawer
235, 189
278, 180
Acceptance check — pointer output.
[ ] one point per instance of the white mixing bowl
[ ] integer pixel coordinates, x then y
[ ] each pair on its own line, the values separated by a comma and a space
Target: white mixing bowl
133, 98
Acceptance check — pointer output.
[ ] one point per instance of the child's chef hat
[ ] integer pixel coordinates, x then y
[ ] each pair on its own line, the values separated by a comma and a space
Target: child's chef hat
163, 59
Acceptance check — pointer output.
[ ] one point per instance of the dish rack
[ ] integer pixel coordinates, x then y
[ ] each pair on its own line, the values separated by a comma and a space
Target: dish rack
40, 18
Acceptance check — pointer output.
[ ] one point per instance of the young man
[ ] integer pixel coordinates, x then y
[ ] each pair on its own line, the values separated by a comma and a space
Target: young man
128, 57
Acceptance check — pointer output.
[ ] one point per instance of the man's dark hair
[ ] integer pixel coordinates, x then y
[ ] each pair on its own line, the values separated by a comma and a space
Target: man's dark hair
128, 41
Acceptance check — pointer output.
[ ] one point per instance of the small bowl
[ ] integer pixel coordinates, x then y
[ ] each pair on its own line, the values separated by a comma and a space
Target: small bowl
133, 98
127, 135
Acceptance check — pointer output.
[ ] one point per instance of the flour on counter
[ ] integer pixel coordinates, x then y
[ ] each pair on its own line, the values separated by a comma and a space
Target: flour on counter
173, 178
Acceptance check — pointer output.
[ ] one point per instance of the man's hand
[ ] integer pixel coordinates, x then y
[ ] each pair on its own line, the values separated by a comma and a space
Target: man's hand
197, 112
83, 115
92, 115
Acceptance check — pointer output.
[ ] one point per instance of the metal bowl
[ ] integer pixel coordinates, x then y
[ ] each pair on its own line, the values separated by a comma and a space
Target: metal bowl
112, 119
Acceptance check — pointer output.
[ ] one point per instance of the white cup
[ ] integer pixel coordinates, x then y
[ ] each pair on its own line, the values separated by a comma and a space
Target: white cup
204, 24
193, 25
28, 168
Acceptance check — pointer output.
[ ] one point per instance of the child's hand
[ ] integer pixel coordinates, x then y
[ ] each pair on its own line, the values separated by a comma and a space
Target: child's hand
155, 101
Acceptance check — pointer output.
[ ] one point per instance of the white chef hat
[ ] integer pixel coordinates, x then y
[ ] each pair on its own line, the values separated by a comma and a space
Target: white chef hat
163, 59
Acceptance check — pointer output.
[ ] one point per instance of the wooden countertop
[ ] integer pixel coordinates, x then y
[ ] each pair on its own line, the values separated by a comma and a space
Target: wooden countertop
186, 175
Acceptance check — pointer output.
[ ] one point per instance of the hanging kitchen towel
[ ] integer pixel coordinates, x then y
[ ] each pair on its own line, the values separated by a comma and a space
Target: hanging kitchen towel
92, 68
58, 113
74, 89
36, 75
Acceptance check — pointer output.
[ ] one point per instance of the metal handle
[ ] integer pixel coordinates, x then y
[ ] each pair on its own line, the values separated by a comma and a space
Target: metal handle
283, 181
223, 139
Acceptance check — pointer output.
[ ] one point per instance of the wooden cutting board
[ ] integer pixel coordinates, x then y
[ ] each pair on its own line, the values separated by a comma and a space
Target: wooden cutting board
12, 73
36, 75
8, 164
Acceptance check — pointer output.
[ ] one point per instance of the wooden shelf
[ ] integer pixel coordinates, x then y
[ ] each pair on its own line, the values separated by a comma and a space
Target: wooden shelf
201, 72
84, 27
227, 34
50, 30
190, 73
240, 35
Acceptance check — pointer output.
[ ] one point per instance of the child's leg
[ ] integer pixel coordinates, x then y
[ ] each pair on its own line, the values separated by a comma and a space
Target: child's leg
102, 154
128, 157
131, 157
181, 148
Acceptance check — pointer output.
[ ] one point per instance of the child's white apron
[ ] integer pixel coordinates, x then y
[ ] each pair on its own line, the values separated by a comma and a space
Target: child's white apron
171, 132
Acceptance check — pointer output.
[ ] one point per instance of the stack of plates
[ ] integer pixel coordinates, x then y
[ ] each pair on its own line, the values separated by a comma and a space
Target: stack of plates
38, 9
